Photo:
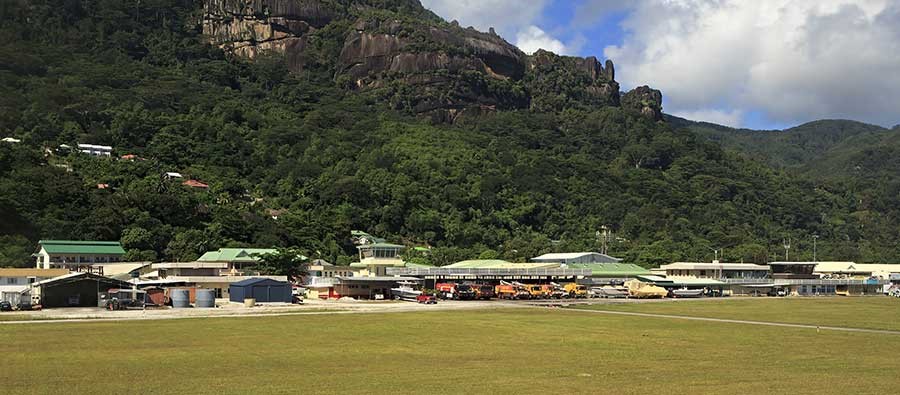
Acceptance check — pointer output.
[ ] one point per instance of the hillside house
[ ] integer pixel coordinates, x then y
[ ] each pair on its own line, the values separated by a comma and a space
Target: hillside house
95, 150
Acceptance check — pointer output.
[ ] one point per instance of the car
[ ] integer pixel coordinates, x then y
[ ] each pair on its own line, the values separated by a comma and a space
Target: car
426, 299
5, 306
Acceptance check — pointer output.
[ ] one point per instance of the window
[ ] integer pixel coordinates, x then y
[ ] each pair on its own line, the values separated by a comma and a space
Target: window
11, 280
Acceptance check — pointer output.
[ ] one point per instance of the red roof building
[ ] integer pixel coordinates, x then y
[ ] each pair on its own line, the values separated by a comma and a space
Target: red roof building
195, 184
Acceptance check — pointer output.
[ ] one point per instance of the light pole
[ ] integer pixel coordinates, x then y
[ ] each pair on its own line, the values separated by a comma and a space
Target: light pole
815, 237
787, 248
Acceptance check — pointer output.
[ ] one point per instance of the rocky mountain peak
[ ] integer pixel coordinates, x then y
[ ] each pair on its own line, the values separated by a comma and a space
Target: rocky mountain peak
445, 71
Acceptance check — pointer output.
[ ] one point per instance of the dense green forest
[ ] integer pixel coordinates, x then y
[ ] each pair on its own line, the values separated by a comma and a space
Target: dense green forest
139, 76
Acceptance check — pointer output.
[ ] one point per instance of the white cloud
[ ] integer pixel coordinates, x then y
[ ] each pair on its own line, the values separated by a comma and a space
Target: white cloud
732, 118
792, 60
532, 38
508, 17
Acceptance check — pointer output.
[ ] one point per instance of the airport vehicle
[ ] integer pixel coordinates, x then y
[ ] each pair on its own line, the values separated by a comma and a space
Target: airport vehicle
445, 290
574, 290
535, 291
505, 291
511, 291
464, 292
424, 298
554, 291
5, 306
484, 292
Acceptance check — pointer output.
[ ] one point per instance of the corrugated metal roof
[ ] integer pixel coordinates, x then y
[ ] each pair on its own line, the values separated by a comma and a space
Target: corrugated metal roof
374, 278
79, 274
190, 265
31, 272
379, 245
610, 269
570, 255
498, 264
82, 247
112, 269
391, 262
851, 267
246, 255
713, 266
257, 280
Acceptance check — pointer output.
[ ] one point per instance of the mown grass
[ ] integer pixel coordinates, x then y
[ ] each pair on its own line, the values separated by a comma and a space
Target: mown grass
860, 312
14, 317
489, 351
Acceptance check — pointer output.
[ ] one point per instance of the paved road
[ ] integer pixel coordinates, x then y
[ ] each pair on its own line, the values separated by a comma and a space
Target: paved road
745, 322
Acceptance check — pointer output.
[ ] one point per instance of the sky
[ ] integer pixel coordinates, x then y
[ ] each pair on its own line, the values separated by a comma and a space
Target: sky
760, 64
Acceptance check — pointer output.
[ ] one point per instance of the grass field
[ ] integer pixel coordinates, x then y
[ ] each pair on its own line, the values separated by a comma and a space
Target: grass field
860, 312
485, 351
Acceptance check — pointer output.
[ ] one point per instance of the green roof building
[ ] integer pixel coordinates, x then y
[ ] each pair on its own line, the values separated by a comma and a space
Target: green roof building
236, 255
72, 254
499, 264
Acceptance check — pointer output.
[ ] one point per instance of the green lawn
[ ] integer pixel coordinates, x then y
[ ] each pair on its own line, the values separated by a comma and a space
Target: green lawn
859, 312
490, 351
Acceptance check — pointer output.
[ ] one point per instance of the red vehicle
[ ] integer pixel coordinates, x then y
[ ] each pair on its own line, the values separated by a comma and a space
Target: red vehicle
426, 299
445, 290
484, 292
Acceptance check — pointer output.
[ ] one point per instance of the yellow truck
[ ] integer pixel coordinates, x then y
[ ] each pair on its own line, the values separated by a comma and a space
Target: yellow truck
574, 290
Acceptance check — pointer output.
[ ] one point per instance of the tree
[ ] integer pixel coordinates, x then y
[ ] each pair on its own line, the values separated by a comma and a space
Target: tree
15, 251
290, 262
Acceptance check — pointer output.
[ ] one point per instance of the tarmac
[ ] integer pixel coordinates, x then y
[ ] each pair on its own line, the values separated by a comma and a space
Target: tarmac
229, 309
226, 309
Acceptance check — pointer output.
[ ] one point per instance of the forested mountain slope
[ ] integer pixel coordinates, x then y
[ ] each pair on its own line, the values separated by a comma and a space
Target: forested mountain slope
324, 157
794, 147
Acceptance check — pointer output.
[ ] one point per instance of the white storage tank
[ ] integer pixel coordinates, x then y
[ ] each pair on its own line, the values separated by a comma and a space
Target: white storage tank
206, 298
181, 297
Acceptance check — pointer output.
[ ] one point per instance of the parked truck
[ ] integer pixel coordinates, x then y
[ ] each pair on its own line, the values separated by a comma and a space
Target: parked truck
556, 291
505, 291
484, 292
574, 290
445, 290
465, 292
512, 291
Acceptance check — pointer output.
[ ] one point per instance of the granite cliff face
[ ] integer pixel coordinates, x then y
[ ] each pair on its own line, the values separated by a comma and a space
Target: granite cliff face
644, 100
412, 58
250, 27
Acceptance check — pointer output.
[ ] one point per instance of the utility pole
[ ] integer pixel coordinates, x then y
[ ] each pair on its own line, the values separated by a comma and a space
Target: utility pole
815, 237
787, 248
